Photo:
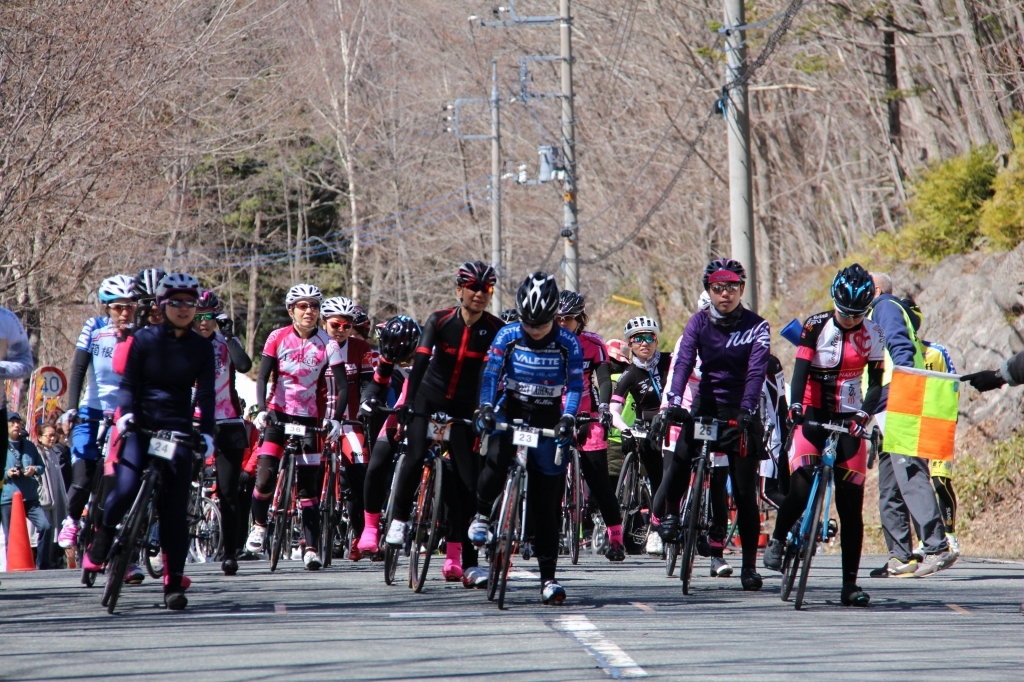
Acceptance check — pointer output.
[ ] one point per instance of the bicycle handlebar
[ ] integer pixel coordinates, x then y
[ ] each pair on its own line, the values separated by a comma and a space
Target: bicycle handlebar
547, 433
837, 428
436, 417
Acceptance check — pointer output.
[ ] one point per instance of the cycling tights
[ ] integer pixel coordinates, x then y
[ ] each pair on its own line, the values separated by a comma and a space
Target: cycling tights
849, 499
594, 467
654, 463
231, 442
543, 504
353, 482
82, 471
947, 501
309, 496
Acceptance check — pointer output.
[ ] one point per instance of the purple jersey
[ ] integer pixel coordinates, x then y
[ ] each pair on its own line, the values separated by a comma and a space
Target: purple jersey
734, 360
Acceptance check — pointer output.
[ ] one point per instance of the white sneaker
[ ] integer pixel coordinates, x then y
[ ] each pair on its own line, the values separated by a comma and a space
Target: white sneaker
954, 544
311, 560
654, 544
255, 542
157, 562
396, 533
296, 554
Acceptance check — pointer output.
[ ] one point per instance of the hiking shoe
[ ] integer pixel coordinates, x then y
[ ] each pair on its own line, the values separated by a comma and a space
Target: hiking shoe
68, 533
396, 533
474, 577
751, 580
894, 568
773, 555
552, 593
933, 563
254, 544
720, 568
954, 544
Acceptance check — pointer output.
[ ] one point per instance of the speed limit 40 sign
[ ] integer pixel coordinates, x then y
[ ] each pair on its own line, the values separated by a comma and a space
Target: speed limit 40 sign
52, 382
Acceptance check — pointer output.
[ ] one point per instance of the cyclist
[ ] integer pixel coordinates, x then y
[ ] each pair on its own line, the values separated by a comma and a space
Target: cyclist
541, 368
338, 315
145, 285
509, 316
164, 363
296, 357
446, 378
93, 368
15, 359
361, 324
397, 340
835, 347
644, 382
232, 439
733, 344
597, 390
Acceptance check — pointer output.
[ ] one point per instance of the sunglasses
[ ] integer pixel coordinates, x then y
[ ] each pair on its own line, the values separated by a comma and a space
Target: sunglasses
722, 288
122, 307
564, 318
337, 324
304, 306
479, 287
179, 303
643, 338
535, 326
849, 316
206, 317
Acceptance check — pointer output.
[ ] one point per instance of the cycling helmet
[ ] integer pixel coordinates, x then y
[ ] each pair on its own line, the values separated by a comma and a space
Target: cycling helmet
571, 304
361, 322
177, 283
147, 281
723, 270
853, 290
618, 350
118, 286
398, 338
475, 271
301, 291
537, 298
704, 302
339, 305
641, 324
509, 316
208, 301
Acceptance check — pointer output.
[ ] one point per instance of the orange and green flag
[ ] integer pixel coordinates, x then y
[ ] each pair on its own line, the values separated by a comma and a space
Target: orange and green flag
922, 413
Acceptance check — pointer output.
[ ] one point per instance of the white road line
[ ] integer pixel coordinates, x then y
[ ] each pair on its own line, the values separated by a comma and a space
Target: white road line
435, 614
610, 657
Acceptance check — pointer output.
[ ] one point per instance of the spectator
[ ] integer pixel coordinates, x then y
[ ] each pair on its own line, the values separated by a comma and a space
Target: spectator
56, 453
15, 358
57, 460
23, 465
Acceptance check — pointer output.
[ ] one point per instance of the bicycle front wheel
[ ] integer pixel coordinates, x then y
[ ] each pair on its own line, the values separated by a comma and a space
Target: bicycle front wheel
150, 551
427, 526
509, 535
790, 567
126, 541
282, 536
811, 539
207, 537
328, 515
391, 553
694, 503
574, 508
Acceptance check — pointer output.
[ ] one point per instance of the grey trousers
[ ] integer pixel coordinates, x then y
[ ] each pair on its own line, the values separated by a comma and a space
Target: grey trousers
905, 492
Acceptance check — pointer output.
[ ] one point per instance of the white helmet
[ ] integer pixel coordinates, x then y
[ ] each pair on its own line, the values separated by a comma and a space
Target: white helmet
641, 324
704, 302
118, 286
177, 283
339, 305
301, 291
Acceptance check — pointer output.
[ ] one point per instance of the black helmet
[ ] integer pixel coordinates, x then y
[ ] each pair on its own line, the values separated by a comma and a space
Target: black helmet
723, 270
361, 321
147, 281
208, 301
853, 290
509, 316
571, 304
537, 299
397, 338
475, 271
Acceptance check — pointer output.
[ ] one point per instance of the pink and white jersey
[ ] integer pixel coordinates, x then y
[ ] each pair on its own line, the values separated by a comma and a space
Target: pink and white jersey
226, 398
594, 353
301, 364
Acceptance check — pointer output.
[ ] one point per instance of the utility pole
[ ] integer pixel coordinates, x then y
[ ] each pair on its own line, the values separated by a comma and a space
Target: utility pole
496, 302
737, 116
570, 229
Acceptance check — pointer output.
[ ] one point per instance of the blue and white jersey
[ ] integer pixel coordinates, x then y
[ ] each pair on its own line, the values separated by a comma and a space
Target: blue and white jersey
534, 375
16, 362
98, 339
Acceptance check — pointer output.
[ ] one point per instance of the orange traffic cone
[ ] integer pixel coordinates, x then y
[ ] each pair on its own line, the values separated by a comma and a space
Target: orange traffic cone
19, 551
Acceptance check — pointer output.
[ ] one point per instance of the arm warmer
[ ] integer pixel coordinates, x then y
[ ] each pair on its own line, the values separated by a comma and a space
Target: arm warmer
239, 358
873, 394
603, 372
79, 368
341, 386
267, 366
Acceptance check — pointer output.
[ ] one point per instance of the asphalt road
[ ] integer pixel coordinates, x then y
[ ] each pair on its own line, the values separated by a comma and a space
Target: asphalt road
621, 620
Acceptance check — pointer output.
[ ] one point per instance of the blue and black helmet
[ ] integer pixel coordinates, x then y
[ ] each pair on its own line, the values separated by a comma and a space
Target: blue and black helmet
853, 290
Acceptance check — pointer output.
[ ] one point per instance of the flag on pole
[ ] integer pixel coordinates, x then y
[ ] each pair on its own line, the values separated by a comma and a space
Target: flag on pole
922, 413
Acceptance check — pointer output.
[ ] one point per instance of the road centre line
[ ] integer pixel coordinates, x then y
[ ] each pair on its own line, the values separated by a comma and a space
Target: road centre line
643, 607
610, 657
959, 609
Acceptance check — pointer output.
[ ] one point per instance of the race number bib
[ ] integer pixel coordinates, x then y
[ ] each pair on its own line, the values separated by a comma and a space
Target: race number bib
164, 449
703, 431
525, 437
291, 429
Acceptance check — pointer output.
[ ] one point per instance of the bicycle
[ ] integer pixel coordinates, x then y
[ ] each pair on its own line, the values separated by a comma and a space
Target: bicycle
633, 491
391, 554
93, 514
284, 511
696, 517
511, 522
130, 537
204, 524
332, 503
574, 502
800, 548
